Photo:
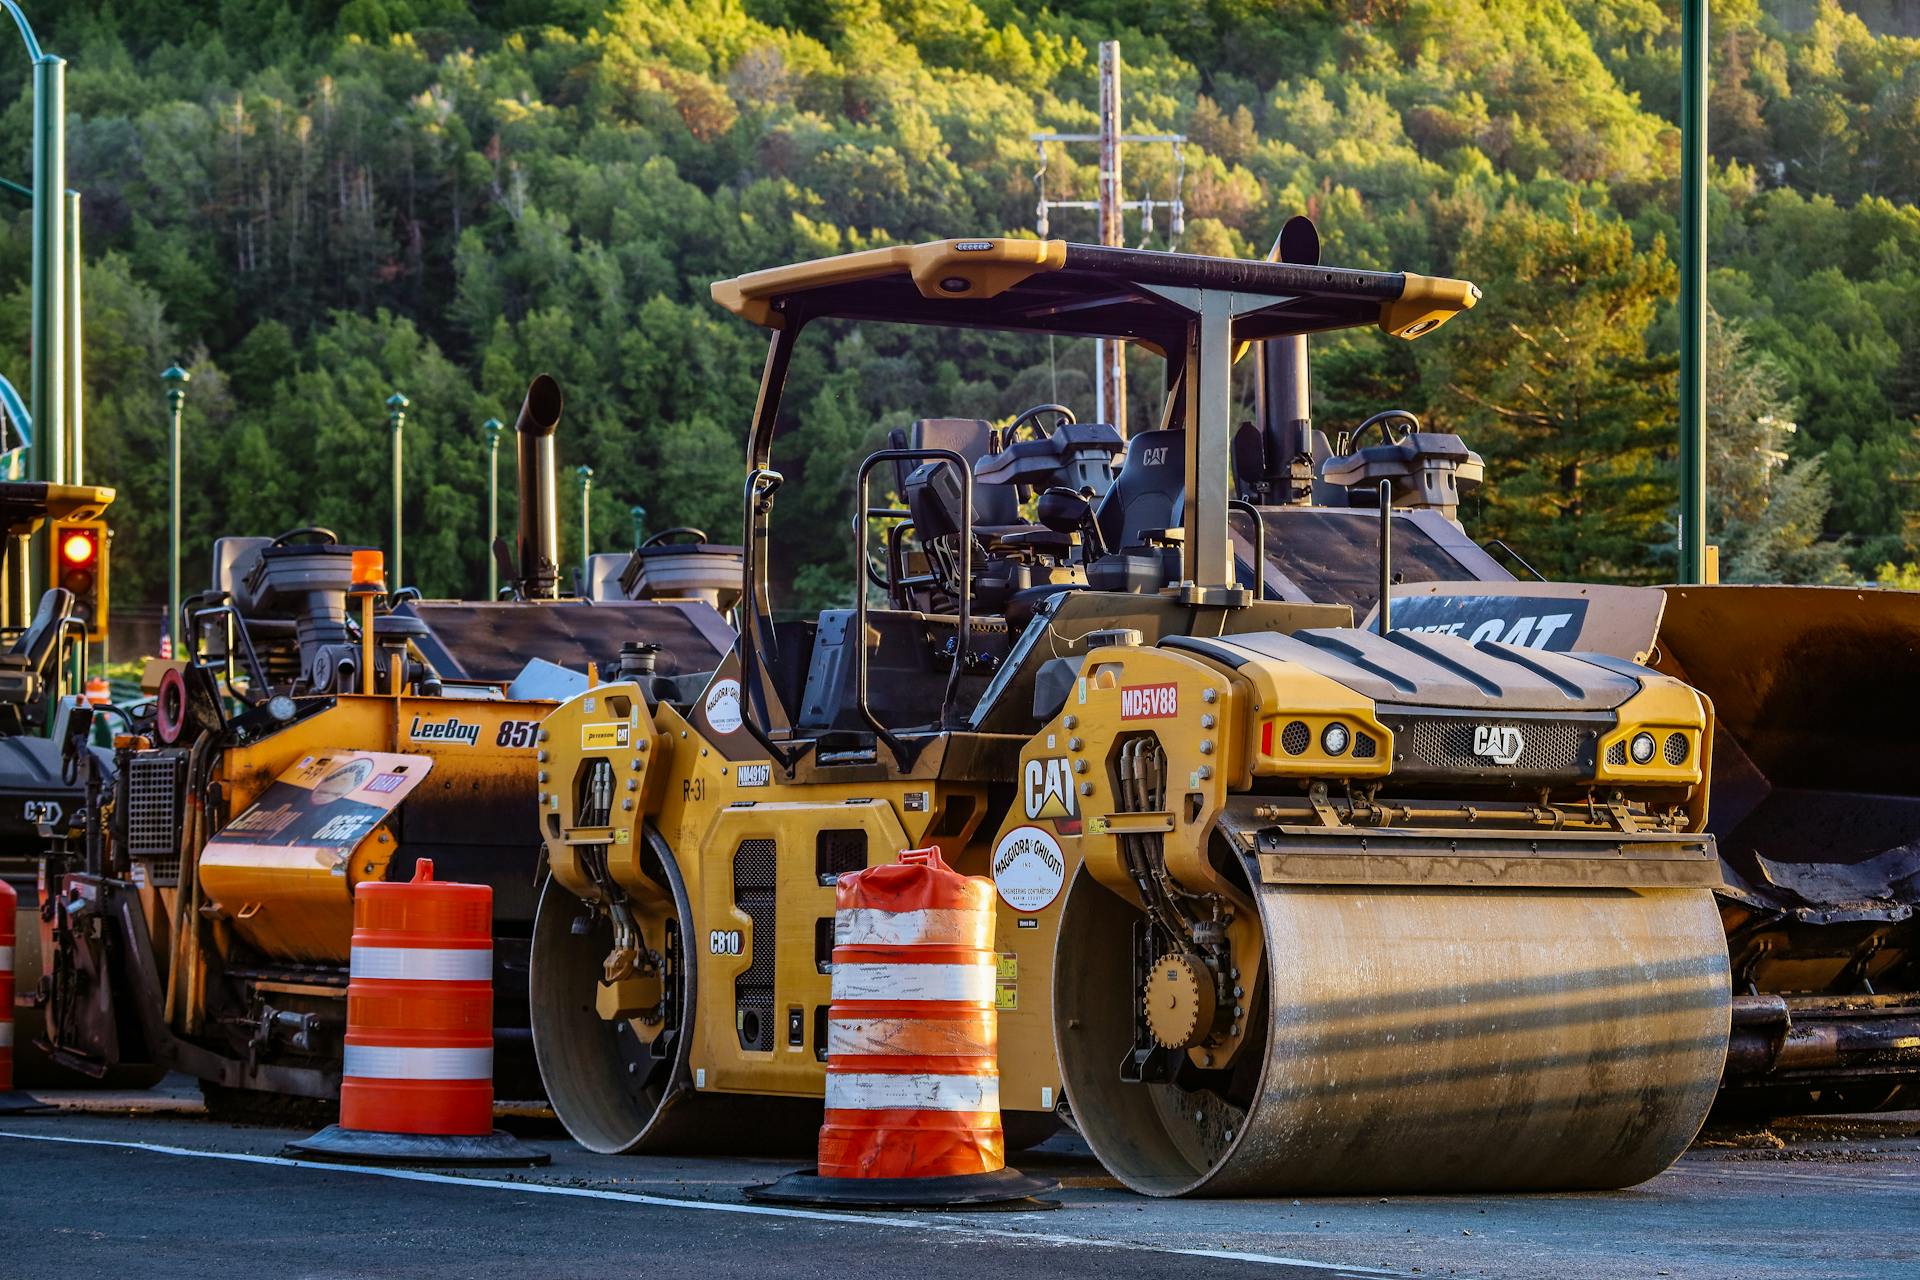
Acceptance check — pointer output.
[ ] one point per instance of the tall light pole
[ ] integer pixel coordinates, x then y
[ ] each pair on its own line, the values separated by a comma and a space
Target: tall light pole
176, 380
493, 427
397, 420
586, 529
49, 269
1693, 291
76, 472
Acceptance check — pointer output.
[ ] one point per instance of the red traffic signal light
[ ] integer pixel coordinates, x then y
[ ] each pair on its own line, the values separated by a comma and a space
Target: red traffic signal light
79, 548
80, 565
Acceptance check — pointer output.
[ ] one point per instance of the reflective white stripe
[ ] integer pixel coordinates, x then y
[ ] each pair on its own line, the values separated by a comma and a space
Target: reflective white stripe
424, 964
388, 1062
915, 1092
6, 959
868, 927
916, 1037
6, 1035
968, 982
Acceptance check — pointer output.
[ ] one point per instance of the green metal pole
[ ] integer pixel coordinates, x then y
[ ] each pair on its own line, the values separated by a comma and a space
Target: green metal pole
397, 419
1693, 290
49, 262
76, 427
639, 514
493, 426
586, 529
176, 380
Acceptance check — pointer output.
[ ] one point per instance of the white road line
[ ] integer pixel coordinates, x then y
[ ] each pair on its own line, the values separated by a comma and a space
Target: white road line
707, 1206
1869, 1182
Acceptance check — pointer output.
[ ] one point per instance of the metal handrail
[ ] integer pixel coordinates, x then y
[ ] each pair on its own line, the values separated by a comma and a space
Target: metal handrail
756, 499
902, 756
1245, 508
196, 613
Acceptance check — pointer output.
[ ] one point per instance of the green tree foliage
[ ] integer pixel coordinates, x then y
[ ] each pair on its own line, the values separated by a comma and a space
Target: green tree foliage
315, 203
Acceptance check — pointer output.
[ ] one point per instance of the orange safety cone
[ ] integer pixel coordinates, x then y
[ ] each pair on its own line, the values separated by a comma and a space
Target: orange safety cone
913, 1076
417, 1079
11, 1103
99, 692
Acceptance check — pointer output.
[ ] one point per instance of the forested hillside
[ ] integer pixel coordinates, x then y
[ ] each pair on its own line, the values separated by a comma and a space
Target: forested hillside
314, 204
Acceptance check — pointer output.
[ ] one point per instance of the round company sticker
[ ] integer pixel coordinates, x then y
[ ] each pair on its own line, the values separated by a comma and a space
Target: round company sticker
1028, 869
723, 706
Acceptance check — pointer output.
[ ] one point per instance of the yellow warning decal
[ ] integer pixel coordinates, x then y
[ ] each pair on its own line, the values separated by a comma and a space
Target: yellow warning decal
1006, 998
1009, 968
599, 737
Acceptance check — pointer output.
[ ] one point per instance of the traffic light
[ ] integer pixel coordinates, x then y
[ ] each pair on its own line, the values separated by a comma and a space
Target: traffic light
80, 565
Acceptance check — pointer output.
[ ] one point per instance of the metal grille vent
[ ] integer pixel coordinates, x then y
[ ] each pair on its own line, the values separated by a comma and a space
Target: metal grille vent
1617, 753
1294, 738
594, 804
1364, 746
1676, 748
754, 870
837, 852
1443, 744
155, 780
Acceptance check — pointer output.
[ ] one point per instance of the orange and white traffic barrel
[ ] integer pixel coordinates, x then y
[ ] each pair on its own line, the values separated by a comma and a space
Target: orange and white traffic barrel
417, 1072
913, 1078
11, 1103
9, 903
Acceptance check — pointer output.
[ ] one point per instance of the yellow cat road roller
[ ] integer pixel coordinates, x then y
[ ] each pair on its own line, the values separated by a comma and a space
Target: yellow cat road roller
1816, 805
320, 735
1284, 905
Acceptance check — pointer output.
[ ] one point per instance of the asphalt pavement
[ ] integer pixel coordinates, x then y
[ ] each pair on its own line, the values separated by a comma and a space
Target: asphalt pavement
146, 1185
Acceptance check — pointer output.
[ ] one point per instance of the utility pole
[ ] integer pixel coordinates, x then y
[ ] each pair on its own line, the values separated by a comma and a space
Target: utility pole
1693, 290
1110, 384
176, 379
1112, 354
397, 420
492, 426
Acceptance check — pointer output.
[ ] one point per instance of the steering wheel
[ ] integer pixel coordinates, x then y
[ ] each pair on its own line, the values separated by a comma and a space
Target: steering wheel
313, 534
680, 530
1062, 416
1384, 420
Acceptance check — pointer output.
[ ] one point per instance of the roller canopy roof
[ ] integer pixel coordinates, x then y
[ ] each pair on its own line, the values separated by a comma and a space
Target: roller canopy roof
1087, 290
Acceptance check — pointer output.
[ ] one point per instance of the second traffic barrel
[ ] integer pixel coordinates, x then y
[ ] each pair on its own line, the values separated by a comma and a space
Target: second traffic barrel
419, 1050
913, 1076
417, 1074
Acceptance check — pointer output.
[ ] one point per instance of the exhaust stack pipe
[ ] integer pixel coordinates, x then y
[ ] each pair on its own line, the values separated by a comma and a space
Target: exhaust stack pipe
539, 533
1282, 389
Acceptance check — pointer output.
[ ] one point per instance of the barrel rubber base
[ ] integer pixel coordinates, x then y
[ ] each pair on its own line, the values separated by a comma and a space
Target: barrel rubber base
15, 1103
364, 1146
1005, 1189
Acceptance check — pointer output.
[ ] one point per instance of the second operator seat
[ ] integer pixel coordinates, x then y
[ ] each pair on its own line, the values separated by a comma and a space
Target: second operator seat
24, 666
971, 438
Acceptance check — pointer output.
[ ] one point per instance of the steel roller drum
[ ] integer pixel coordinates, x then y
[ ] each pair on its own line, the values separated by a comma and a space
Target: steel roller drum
608, 1091
1417, 1039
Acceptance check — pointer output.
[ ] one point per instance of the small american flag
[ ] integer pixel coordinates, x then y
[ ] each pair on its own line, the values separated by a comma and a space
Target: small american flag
166, 635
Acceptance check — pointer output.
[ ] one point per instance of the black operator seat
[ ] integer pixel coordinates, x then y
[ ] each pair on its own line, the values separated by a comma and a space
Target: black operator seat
970, 438
23, 667
1150, 493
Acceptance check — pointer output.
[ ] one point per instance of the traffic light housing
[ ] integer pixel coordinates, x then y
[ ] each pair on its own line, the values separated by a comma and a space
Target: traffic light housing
79, 550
